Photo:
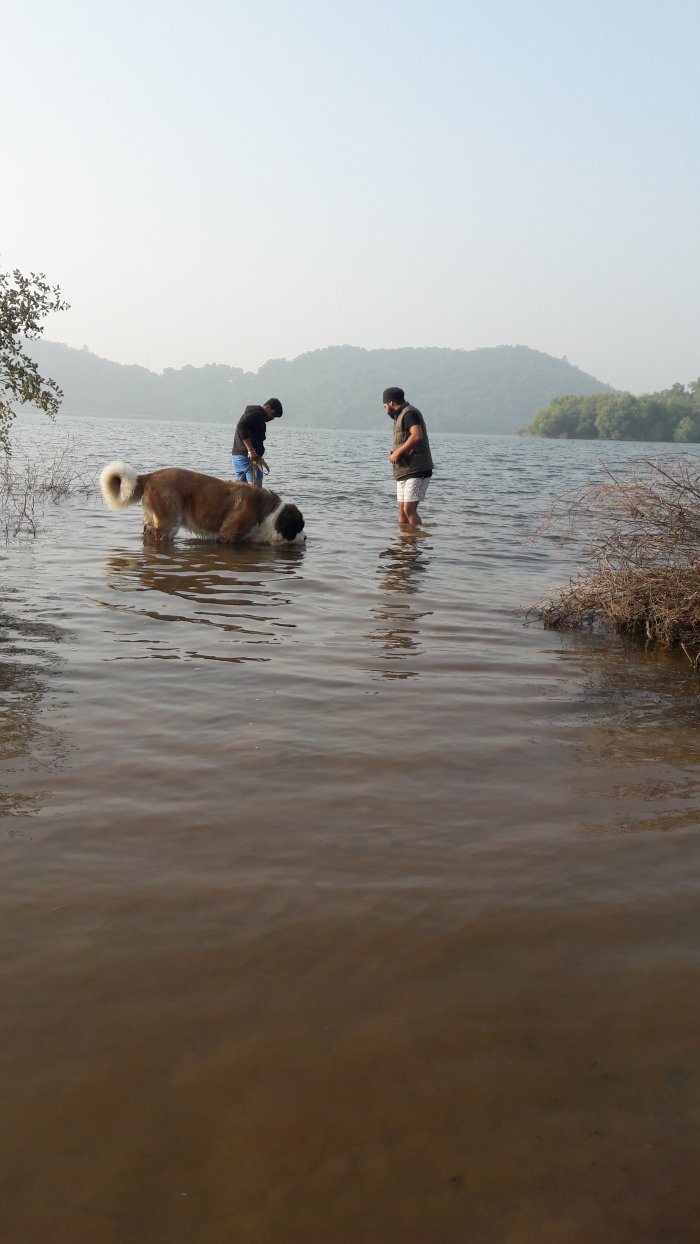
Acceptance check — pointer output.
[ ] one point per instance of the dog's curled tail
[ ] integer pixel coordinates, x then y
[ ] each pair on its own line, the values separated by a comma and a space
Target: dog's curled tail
120, 485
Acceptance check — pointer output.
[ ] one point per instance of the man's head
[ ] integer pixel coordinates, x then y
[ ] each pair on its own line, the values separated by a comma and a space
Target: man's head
272, 408
393, 399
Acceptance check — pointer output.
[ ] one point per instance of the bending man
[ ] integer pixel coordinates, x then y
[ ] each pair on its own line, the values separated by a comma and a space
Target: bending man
249, 440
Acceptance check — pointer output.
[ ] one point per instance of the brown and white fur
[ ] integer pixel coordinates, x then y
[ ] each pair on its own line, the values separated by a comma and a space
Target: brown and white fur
213, 508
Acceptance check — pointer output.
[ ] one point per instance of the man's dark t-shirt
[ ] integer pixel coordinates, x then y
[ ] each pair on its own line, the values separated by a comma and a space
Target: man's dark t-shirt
251, 426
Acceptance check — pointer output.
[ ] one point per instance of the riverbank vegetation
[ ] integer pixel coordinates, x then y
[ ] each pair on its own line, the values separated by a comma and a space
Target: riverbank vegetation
24, 302
640, 573
671, 415
26, 484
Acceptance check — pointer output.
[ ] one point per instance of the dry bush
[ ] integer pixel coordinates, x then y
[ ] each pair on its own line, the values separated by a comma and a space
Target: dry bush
640, 571
32, 478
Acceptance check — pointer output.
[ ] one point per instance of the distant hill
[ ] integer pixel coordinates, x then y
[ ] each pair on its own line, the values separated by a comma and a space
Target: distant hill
499, 389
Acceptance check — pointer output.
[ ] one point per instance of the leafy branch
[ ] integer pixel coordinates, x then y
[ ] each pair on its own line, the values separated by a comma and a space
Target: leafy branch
24, 302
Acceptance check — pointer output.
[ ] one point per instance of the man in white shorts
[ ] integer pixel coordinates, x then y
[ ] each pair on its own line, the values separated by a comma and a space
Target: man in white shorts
410, 457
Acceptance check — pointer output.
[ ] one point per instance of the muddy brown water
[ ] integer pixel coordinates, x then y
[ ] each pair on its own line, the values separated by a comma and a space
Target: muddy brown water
339, 904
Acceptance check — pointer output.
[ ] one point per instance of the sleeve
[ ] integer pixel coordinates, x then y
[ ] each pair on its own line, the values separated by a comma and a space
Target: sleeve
243, 426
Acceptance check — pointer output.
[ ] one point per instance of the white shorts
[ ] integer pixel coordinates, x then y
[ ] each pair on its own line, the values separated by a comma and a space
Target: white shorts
411, 489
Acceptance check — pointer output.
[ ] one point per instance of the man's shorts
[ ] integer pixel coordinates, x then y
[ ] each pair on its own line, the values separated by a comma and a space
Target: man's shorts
413, 489
243, 468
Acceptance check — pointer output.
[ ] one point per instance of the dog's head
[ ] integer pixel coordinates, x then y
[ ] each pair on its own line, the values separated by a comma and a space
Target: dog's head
290, 522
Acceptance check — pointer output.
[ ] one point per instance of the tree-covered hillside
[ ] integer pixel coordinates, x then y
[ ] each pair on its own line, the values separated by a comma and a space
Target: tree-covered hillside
671, 415
488, 390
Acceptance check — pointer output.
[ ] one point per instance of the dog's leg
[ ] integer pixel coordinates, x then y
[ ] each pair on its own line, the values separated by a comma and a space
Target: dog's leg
234, 528
155, 531
159, 535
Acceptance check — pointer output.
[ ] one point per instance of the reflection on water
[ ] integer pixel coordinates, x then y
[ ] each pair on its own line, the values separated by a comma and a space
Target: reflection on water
401, 568
640, 765
238, 591
27, 743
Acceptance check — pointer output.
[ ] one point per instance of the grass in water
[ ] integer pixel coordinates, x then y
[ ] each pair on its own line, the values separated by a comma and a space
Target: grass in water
32, 477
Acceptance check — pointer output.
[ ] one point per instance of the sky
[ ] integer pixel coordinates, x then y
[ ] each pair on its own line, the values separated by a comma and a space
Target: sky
230, 181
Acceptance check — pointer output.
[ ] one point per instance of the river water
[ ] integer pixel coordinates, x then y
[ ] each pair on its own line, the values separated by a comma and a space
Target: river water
342, 904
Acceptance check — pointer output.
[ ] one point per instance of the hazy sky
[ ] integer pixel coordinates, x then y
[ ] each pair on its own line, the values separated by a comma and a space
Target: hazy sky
236, 180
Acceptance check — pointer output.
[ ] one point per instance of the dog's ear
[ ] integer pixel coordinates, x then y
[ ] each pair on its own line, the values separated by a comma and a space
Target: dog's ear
290, 522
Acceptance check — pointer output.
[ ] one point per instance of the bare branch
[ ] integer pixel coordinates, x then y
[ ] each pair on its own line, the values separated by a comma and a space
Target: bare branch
640, 543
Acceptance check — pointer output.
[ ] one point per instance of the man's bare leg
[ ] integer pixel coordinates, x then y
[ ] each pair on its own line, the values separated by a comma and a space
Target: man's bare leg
410, 514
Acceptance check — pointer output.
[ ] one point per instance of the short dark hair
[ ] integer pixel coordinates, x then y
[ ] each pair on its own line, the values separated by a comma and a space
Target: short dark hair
392, 395
274, 404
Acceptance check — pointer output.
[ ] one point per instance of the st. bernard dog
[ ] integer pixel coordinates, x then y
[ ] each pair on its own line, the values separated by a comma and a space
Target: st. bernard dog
213, 508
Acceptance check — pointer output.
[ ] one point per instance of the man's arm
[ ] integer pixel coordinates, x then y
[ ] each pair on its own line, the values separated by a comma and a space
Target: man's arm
415, 435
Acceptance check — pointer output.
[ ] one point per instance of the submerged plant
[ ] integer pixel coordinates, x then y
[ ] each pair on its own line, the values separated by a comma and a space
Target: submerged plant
32, 478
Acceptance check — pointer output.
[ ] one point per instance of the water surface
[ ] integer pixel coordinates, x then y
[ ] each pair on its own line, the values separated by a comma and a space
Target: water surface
340, 904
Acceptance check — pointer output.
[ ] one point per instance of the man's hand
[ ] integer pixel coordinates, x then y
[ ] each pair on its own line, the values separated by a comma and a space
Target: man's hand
415, 435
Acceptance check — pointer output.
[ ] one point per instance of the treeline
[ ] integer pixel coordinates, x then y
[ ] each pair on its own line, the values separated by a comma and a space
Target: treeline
670, 415
497, 389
